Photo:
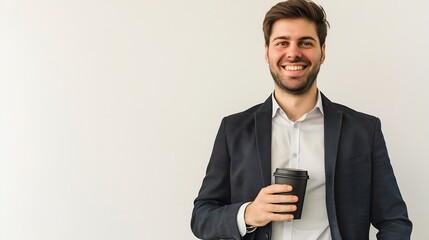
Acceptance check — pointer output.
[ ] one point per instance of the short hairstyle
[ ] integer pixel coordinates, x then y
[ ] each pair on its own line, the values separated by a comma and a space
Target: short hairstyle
294, 9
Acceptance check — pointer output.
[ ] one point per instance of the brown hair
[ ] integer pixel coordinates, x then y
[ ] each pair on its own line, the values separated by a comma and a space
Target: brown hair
297, 9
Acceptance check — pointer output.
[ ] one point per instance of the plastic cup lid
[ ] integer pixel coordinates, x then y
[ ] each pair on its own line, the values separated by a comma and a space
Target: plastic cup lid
291, 172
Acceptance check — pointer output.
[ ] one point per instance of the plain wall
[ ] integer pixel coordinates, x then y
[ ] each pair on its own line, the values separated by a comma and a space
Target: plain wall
109, 109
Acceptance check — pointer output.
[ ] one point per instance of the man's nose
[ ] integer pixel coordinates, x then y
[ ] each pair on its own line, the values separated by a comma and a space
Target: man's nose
293, 52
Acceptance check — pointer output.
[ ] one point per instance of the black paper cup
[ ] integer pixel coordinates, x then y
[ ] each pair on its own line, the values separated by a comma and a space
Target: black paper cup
297, 178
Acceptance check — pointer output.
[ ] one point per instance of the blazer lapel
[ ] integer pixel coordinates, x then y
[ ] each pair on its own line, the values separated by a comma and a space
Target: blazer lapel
333, 121
263, 140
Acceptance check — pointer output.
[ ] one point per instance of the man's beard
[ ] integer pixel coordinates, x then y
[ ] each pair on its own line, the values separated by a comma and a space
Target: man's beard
298, 90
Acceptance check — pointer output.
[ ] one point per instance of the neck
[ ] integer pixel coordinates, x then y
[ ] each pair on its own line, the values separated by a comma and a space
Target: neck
295, 106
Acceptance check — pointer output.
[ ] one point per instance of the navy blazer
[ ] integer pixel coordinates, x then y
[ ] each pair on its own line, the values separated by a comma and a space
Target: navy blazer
360, 185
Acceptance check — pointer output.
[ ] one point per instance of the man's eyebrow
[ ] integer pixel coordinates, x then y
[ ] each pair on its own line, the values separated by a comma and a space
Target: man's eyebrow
308, 38
288, 38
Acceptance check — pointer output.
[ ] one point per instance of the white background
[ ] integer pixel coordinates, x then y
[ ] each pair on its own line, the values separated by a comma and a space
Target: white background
109, 109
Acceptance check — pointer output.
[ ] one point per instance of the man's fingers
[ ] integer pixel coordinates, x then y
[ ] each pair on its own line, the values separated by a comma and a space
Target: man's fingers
277, 217
270, 205
283, 198
272, 212
281, 208
277, 188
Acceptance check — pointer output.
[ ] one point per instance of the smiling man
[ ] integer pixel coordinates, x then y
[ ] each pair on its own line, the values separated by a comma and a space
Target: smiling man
294, 54
351, 185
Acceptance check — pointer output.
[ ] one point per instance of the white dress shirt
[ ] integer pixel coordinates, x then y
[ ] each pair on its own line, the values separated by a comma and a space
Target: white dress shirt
299, 145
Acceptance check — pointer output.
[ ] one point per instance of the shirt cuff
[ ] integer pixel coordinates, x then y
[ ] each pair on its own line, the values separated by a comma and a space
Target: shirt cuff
241, 223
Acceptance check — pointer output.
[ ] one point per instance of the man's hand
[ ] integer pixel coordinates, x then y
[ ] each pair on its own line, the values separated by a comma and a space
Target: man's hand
270, 206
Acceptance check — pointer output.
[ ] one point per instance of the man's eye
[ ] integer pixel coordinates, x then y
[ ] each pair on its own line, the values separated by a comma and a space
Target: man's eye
307, 44
282, 44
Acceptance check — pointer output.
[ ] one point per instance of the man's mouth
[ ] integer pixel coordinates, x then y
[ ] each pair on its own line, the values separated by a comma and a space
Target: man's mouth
294, 67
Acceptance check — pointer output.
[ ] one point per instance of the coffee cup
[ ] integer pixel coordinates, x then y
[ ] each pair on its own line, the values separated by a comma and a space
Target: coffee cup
297, 178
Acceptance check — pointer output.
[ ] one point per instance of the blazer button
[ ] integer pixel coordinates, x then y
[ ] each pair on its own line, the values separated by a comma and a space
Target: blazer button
267, 236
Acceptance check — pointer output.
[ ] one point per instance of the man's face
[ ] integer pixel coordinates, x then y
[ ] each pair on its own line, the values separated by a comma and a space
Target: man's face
294, 55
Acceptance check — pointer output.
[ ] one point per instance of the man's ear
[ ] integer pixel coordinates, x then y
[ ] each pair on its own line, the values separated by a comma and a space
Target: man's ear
266, 54
322, 58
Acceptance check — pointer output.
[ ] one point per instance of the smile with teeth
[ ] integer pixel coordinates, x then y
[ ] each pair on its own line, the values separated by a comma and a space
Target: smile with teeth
293, 68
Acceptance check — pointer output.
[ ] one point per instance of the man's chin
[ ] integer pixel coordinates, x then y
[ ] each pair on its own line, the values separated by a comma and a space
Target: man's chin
295, 90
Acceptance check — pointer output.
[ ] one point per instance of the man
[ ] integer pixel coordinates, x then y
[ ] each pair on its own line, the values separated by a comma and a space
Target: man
351, 183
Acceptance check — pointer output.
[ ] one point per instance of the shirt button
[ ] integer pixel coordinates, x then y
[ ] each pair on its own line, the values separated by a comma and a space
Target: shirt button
294, 155
296, 125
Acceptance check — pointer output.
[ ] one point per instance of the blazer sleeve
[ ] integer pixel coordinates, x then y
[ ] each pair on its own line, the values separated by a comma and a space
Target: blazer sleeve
214, 216
388, 210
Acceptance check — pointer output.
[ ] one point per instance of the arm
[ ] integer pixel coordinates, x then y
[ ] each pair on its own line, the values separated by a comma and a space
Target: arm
388, 210
214, 216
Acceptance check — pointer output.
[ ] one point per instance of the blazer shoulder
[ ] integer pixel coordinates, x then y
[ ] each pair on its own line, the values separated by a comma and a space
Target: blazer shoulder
244, 116
354, 115
347, 112
243, 122
265, 107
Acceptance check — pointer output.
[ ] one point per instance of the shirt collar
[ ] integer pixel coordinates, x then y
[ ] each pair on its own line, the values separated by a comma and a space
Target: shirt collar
319, 105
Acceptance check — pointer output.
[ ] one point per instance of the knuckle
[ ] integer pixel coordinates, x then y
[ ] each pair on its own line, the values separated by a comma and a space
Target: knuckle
264, 190
277, 198
283, 198
275, 208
